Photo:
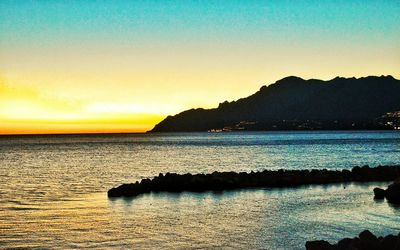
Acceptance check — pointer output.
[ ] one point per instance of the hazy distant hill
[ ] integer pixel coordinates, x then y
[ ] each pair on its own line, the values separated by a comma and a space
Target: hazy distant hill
295, 103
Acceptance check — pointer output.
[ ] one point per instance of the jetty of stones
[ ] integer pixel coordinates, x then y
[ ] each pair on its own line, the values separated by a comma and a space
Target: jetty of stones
218, 181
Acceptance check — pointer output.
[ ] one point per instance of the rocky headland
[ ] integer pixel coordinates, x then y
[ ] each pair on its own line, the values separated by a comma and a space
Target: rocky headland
293, 103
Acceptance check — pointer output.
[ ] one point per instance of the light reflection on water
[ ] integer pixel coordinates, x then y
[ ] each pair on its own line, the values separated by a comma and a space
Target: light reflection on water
53, 190
258, 218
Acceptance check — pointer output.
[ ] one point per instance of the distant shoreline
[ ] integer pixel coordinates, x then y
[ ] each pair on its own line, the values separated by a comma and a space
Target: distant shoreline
177, 132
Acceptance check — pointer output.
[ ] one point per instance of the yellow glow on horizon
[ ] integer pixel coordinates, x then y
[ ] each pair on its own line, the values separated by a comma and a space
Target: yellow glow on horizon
133, 124
23, 110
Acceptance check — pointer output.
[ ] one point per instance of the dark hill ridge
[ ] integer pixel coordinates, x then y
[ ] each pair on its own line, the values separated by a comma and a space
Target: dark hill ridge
295, 103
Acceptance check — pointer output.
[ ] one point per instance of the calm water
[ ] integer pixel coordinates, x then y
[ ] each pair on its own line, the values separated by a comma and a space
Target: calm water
53, 190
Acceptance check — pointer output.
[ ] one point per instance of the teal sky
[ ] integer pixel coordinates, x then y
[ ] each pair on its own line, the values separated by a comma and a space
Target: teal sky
271, 21
161, 57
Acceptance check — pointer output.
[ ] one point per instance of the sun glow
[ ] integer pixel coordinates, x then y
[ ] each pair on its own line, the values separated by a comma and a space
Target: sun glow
23, 110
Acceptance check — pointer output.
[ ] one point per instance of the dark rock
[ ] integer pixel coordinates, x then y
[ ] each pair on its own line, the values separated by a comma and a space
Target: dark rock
365, 241
368, 241
124, 190
389, 242
344, 243
318, 245
366, 235
356, 244
392, 193
379, 193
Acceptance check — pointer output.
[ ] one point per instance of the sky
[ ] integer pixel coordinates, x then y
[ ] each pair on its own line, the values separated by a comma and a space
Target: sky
123, 66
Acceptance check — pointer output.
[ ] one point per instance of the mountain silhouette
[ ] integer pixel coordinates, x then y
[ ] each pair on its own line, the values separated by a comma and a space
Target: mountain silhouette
295, 103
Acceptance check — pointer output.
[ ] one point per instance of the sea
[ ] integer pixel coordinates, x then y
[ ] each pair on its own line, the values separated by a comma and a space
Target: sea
53, 190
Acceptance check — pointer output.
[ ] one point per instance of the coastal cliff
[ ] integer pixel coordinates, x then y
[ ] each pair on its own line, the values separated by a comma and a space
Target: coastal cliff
293, 103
